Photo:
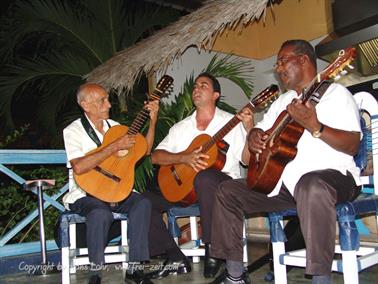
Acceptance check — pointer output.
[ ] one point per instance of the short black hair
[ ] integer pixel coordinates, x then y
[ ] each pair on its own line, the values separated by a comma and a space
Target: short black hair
214, 81
302, 46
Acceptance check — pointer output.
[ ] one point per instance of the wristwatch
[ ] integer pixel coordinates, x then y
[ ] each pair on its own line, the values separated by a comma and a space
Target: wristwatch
318, 133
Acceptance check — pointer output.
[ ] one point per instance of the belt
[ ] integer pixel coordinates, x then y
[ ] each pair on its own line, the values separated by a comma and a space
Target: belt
111, 204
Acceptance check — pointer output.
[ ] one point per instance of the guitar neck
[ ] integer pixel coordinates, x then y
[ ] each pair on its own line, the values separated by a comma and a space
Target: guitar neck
142, 116
220, 134
315, 92
259, 100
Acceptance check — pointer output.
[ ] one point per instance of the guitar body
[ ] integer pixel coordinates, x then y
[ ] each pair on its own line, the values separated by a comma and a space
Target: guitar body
265, 169
120, 166
176, 181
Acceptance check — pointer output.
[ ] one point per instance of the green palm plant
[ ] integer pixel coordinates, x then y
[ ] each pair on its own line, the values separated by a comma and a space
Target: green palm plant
46, 46
234, 69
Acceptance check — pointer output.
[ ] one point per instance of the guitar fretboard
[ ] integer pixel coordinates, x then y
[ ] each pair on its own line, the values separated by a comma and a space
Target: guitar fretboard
164, 83
142, 116
260, 99
220, 134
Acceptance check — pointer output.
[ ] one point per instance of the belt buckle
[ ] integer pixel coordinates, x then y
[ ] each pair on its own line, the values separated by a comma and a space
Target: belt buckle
113, 204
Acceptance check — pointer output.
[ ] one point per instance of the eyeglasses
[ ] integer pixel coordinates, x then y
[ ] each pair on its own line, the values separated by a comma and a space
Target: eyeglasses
283, 60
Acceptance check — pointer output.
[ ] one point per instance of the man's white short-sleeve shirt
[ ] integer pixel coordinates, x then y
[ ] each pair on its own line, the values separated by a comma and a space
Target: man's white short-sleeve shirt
182, 134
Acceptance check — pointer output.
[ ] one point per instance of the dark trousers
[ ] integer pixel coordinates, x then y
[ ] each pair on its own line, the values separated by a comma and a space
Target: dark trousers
206, 184
315, 197
159, 239
99, 217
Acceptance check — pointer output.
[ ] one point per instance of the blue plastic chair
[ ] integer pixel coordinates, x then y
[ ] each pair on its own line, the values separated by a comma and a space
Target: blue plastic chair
355, 256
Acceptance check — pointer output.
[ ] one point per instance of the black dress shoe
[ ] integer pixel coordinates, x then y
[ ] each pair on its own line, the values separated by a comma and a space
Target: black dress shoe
225, 278
171, 267
94, 279
211, 264
137, 277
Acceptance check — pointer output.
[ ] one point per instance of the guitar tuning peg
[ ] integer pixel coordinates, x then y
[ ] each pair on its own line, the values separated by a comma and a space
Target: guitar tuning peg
344, 72
337, 77
350, 66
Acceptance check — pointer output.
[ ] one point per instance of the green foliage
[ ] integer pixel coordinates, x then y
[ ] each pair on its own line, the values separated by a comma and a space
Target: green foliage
46, 46
16, 204
14, 136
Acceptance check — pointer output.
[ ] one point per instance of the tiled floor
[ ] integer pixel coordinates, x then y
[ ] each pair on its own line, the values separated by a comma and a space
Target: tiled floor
256, 250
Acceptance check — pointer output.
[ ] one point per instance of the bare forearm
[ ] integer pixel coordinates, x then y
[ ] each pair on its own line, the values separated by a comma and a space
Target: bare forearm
344, 141
150, 138
162, 157
245, 154
86, 163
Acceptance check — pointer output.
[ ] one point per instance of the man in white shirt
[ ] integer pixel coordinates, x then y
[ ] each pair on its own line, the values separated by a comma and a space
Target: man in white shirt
207, 119
82, 136
321, 174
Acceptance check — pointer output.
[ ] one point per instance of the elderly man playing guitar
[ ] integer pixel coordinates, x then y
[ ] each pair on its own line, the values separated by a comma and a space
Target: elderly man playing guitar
325, 120
82, 136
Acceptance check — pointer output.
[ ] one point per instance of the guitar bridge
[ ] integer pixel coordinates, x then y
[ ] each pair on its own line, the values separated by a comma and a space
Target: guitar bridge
107, 174
175, 175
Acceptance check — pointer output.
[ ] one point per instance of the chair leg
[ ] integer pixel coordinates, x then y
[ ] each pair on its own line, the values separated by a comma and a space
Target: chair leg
280, 274
194, 235
350, 269
65, 257
124, 243
245, 249
72, 234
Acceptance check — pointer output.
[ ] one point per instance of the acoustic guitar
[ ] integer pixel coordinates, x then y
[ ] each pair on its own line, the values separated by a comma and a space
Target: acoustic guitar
176, 181
265, 169
113, 179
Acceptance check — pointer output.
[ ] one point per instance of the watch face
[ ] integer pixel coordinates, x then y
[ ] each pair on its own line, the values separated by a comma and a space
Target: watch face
316, 134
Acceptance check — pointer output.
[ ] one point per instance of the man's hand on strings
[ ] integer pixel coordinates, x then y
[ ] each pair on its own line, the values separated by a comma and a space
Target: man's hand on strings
153, 108
246, 117
256, 140
197, 160
304, 114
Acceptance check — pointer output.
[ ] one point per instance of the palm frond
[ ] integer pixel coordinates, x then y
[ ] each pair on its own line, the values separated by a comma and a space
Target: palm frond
234, 69
55, 19
16, 79
141, 17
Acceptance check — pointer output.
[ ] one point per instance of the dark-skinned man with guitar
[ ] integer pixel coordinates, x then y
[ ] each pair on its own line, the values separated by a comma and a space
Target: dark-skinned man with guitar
82, 136
321, 174
173, 151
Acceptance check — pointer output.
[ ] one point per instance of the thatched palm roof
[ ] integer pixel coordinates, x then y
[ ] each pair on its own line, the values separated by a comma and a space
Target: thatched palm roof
155, 53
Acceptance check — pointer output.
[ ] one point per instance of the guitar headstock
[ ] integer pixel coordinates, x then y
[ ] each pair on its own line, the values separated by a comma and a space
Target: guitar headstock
265, 98
162, 87
337, 67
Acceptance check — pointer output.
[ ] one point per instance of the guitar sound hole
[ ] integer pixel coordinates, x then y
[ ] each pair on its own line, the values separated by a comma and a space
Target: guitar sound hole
122, 153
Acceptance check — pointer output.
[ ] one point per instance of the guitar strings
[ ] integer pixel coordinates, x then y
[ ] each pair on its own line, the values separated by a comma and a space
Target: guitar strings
268, 92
